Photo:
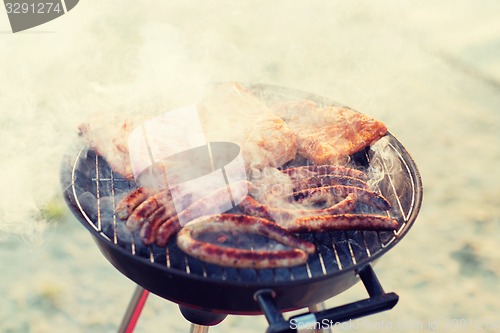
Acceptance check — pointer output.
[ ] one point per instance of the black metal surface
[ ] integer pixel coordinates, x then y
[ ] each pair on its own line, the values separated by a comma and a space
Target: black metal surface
377, 302
92, 191
201, 317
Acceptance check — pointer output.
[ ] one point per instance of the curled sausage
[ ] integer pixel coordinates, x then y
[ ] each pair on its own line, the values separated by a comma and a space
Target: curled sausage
244, 258
366, 196
252, 207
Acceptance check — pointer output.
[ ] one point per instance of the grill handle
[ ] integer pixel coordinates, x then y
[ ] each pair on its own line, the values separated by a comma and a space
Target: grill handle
377, 302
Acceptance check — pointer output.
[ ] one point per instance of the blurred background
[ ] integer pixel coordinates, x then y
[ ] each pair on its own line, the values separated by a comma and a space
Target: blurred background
429, 70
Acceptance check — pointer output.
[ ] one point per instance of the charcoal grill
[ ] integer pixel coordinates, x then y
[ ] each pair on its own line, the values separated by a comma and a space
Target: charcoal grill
205, 292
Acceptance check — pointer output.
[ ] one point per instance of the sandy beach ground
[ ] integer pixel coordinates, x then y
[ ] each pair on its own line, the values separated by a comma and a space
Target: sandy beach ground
430, 71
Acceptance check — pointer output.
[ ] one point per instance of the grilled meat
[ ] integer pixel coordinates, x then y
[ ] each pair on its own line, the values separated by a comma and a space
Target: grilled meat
329, 134
231, 113
149, 229
167, 230
143, 211
242, 258
341, 222
366, 196
252, 207
127, 205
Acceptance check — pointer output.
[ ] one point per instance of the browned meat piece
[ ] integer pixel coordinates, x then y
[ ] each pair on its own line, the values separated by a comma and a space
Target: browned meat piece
342, 222
365, 196
320, 170
143, 211
167, 230
149, 229
252, 207
329, 134
237, 257
127, 205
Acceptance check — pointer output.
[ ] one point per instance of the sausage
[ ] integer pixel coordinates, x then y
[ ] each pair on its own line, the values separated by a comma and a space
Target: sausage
243, 258
167, 230
342, 222
142, 212
309, 170
364, 195
252, 207
149, 229
127, 205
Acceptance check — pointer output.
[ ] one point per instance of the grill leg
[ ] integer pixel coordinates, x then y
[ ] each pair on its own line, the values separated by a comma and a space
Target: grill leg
198, 329
317, 308
133, 311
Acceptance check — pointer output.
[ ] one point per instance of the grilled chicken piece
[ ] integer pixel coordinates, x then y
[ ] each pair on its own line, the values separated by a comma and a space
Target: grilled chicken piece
327, 135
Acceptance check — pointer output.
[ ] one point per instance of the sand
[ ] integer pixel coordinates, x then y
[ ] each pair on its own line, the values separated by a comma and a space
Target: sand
431, 72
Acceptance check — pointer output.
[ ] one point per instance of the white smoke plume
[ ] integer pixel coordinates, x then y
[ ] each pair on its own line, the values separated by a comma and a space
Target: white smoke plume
83, 65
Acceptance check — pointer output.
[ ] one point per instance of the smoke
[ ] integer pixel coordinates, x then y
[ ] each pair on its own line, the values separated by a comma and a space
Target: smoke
31, 153
56, 81
384, 162
389, 176
100, 60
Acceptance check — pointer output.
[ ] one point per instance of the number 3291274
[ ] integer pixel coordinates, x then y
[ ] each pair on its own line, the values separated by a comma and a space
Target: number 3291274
33, 8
